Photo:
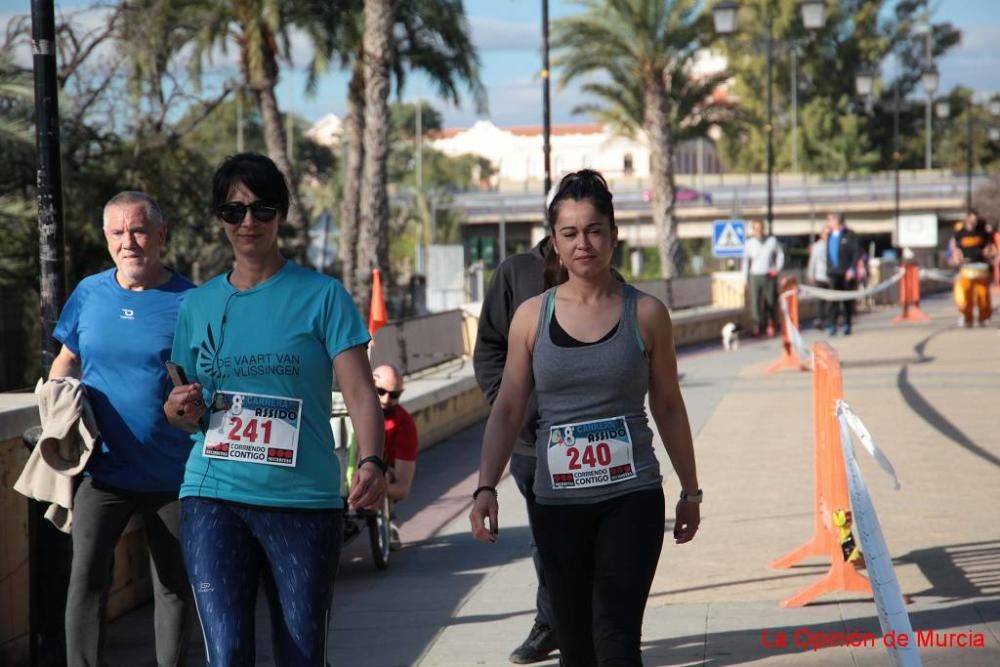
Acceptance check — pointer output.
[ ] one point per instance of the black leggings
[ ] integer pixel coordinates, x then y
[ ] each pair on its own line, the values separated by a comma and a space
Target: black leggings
599, 562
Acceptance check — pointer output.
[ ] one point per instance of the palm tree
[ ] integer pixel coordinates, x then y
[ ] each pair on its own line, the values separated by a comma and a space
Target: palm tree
373, 246
260, 29
643, 47
427, 35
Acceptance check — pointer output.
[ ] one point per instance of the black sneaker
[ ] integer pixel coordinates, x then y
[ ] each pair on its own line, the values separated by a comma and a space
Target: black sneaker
540, 643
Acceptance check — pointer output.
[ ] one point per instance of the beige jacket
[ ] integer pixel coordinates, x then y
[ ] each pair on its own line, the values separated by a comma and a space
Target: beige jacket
69, 433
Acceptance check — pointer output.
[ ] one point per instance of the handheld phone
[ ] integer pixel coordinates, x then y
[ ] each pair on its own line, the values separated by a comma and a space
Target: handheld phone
176, 374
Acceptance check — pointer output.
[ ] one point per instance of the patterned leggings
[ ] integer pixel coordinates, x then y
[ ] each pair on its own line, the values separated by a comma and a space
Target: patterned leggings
228, 548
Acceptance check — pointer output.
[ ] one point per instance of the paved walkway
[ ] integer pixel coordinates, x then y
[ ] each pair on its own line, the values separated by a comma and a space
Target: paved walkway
927, 392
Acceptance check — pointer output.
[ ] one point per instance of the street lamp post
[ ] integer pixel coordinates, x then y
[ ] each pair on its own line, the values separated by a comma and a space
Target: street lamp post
546, 108
864, 84
725, 16
929, 80
942, 108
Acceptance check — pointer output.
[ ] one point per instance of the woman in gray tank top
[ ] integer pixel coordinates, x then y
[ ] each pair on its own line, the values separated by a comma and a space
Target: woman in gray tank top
592, 348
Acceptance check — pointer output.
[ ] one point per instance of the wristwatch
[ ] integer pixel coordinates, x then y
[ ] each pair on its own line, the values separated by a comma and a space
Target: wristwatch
377, 460
692, 497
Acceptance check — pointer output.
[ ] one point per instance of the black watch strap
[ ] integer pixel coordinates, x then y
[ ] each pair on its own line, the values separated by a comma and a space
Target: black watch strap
692, 497
377, 460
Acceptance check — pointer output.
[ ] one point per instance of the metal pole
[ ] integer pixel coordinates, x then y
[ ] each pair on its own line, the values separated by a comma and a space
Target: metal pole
927, 134
795, 111
770, 120
49, 551
52, 254
546, 109
502, 250
326, 237
895, 150
239, 119
420, 146
968, 157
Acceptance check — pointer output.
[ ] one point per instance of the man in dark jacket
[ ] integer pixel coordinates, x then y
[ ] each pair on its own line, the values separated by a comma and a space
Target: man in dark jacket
517, 279
843, 252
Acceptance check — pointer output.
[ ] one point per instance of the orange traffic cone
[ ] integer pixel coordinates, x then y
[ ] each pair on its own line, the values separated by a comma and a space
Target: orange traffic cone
377, 316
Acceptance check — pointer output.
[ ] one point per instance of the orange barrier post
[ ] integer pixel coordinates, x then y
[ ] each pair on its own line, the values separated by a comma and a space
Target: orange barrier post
789, 357
377, 315
909, 296
831, 487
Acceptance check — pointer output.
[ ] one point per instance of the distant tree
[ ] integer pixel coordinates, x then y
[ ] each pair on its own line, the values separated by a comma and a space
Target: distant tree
986, 200
951, 135
645, 42
404, 118
18, 256
856, 34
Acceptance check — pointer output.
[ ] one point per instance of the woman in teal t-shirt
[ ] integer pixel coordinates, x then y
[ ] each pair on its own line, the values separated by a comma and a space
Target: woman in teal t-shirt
261, 490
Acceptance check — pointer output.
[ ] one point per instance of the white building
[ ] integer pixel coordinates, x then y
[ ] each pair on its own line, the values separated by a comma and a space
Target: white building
327, 130
516, 152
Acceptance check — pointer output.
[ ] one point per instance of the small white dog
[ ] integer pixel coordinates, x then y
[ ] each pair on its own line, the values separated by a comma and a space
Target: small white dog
730, 337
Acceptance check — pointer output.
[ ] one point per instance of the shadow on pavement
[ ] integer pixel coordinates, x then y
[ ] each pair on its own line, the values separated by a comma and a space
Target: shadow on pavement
958, 571
926, 411
740, 646
416, 599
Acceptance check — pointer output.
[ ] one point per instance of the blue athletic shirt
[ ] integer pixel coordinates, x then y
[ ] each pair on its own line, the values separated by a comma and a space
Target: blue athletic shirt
278, 338
123, 337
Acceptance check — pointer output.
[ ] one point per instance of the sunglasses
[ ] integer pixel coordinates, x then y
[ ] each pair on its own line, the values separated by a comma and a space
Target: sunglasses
394, 395
233, 212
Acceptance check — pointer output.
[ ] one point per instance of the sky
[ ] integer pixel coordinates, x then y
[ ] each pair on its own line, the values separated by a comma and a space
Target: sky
507, 34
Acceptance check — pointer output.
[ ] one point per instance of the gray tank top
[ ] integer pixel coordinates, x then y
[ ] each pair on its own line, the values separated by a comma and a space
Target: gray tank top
602, 381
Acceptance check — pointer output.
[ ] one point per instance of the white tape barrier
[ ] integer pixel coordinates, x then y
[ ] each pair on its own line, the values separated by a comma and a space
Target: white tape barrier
794, 336
892, 615
937, 274
849, 295
845, 414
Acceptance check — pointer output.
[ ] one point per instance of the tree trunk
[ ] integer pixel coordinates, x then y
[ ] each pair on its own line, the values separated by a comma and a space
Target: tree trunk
352, 137
263, 86
660, 136
373, 247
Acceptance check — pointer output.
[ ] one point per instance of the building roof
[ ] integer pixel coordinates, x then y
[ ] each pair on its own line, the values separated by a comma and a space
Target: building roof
525, 130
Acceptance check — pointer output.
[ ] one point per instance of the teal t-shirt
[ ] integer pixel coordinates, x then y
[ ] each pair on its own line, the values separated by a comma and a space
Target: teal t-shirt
266, 348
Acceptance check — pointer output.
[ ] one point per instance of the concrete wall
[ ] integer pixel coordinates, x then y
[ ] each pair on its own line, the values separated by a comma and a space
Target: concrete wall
131, 584
446, 411
14, 570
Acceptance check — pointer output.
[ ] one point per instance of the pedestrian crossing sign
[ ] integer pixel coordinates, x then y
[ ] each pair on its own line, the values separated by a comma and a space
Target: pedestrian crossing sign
728, 238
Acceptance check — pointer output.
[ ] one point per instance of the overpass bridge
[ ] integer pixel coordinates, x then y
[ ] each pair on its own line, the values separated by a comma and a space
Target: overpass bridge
800, 205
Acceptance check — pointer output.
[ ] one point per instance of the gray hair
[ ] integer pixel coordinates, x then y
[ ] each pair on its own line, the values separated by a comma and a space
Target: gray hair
135, 198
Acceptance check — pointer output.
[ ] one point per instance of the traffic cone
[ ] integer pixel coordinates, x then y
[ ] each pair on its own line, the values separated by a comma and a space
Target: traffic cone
377, 316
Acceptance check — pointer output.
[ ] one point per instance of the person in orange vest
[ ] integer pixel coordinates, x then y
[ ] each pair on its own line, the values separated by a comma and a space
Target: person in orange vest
996, 258
972, 249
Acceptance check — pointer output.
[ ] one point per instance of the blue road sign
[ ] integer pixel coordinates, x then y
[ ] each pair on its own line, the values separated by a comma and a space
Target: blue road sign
728, 238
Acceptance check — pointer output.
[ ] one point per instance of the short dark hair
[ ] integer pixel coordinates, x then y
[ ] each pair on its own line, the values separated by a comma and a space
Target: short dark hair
579, 185
258, 173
